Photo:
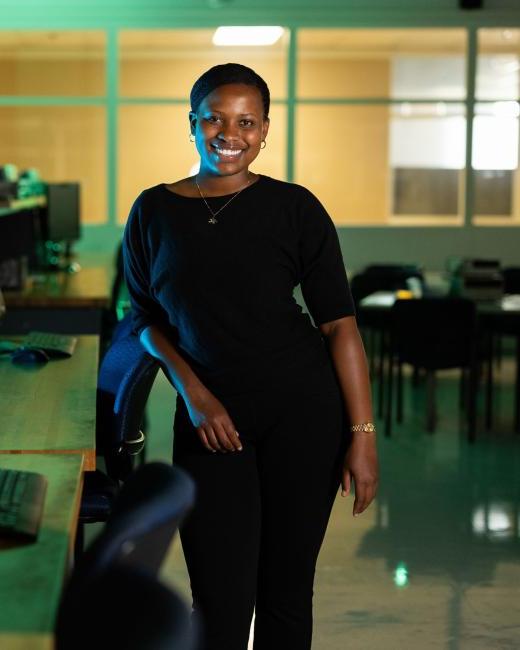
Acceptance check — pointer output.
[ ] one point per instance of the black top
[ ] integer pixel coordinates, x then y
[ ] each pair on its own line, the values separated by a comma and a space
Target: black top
223, 293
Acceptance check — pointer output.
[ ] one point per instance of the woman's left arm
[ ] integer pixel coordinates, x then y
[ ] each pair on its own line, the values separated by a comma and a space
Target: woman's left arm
348, 355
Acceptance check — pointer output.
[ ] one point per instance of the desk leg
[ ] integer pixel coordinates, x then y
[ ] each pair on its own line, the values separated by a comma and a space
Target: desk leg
517, 386
489, 381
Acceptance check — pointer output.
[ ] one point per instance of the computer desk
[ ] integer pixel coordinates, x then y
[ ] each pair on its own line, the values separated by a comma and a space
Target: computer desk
51, 408
62, 302
32, 575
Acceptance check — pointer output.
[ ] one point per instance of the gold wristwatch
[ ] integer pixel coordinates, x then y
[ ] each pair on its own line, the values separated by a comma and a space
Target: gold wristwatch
366, 427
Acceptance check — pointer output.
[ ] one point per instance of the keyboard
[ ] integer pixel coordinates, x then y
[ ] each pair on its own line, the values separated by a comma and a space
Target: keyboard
55, 345
22, 497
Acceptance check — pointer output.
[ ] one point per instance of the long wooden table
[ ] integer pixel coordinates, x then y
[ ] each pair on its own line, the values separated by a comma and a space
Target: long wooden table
32, 575
51, 408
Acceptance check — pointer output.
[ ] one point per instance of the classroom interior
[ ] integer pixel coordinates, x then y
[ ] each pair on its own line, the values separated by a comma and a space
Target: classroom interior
403, 119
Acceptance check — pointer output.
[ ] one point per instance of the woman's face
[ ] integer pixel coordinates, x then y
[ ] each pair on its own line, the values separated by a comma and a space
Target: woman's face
229, 127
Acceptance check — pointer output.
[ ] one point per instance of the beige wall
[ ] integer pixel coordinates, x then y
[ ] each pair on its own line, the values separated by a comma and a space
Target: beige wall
342, 156
65, 143
343, 78
175, 77
52, 77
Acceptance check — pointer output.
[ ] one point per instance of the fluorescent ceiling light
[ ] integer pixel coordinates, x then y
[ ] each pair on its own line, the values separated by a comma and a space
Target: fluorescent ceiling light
247, 35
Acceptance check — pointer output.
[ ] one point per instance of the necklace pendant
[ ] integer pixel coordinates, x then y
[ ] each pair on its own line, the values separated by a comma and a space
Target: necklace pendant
212, 220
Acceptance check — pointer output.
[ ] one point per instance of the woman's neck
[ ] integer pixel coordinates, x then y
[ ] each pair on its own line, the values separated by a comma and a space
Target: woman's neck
213, 185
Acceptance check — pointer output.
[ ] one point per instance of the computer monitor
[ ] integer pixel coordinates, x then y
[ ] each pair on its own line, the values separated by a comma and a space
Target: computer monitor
60, 226
62, 216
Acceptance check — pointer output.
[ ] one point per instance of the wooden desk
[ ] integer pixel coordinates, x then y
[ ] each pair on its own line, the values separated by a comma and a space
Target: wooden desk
32, 575
66, 303
12, 206
51, 408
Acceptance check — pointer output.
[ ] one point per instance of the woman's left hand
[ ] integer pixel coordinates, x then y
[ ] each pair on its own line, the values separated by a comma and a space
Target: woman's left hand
361, 465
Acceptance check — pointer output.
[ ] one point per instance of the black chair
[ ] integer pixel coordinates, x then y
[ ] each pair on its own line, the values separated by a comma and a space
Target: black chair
380, 277
506, 324
113, 597
125, 380
511, 275
434, 334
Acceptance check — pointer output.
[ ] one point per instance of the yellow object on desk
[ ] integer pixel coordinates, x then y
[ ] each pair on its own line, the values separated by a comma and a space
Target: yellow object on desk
403, 294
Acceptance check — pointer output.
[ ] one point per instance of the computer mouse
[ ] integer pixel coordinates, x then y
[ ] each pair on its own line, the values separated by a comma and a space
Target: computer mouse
29, 355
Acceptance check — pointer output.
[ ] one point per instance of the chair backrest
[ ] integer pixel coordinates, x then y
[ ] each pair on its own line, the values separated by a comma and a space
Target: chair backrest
126, 608
145, 517
434, 333
511, 275
125, 380
146, 514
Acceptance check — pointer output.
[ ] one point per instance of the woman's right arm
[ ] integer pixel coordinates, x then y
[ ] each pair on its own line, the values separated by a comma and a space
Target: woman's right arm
208, 415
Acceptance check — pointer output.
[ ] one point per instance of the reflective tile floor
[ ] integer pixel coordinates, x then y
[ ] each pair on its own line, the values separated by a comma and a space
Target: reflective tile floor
435, 561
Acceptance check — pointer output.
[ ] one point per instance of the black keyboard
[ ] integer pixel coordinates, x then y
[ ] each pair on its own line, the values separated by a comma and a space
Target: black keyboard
22, 497
55, 345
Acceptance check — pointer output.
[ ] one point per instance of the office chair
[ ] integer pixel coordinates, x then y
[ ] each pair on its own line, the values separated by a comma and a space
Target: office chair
511, 275
380, 277
127, 608
125, 380
500, 325
434, 334
113, 588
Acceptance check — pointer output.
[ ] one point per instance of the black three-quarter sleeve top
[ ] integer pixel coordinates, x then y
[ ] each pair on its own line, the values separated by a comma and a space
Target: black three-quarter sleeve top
223, 293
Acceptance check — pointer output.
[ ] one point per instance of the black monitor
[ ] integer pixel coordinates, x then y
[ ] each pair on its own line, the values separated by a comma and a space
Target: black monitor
62, 216
60, 226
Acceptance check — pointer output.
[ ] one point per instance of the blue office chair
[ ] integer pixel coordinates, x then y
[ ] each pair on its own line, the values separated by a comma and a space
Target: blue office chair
113, 593
127, 608
125, 380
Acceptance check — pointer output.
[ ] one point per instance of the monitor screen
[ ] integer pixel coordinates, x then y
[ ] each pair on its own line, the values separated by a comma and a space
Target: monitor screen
62, 214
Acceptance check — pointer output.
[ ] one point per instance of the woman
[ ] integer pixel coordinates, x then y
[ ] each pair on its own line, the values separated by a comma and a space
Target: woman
273, 413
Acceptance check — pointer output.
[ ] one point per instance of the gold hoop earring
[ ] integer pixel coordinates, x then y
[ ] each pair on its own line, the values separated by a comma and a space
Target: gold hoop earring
264, 143
191, 135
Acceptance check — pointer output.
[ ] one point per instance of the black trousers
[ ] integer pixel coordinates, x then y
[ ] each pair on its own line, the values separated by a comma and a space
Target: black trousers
253, 537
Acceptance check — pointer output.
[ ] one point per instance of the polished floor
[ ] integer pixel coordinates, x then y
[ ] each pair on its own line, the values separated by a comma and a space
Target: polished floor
435, 561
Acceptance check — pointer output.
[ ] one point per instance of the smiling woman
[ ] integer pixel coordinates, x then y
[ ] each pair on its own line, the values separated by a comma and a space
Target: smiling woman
229, 119
264, 395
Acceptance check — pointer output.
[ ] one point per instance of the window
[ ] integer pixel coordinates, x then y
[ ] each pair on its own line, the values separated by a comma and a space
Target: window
380, 127
63, 135
495, 128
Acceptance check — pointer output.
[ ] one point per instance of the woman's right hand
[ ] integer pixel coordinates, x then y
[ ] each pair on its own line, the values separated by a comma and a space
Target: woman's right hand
212, 422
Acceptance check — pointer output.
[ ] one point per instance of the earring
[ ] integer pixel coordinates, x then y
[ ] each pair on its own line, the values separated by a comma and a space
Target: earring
191, 135
264, 143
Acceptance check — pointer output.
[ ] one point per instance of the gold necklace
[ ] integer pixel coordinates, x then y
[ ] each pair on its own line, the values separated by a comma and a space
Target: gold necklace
212, 220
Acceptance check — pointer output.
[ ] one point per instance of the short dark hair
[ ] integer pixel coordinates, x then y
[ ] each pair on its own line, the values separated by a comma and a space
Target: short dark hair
228, 73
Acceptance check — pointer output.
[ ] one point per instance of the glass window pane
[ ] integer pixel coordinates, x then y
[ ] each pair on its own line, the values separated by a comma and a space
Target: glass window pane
391, 161
154, 148
166, 63
67, 63
427, 158
498, 64
395, 63
342, 156
495, 159
64, 143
